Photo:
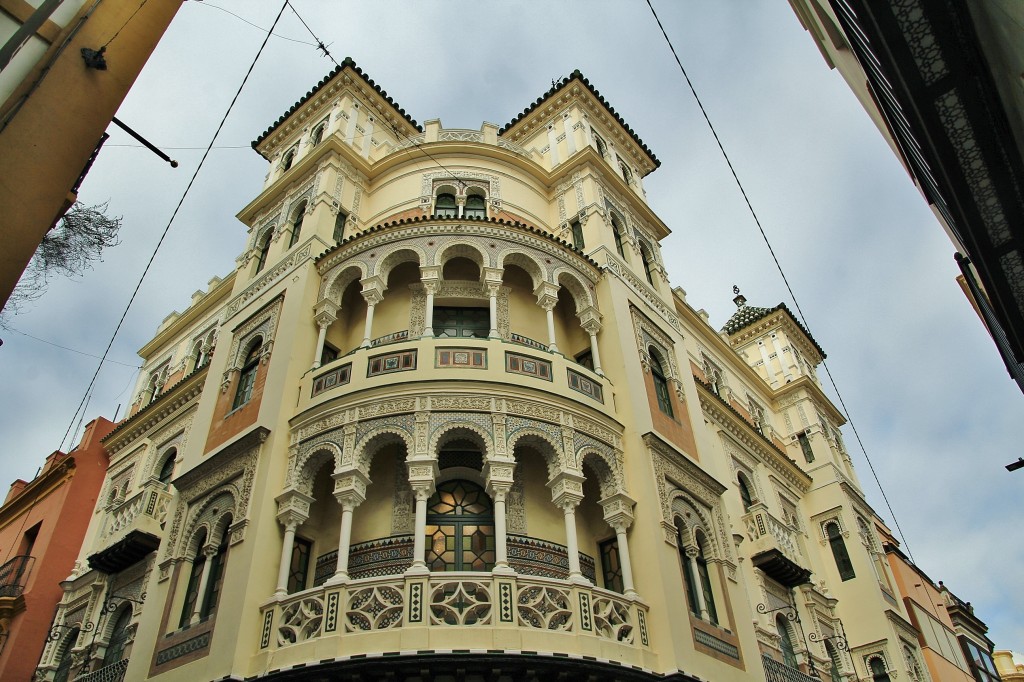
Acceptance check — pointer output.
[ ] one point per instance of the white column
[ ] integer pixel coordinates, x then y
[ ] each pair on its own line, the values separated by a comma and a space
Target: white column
320, 339
549, 312
624, 562
419, 549
553, 144
595, 354
286, 560
698, 586
209, 552
368, 329
570, 134
500, 533
572, 546
492, 296
428, 325
344, 541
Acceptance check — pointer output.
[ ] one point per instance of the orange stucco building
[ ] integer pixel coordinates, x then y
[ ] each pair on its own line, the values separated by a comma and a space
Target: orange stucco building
42, 525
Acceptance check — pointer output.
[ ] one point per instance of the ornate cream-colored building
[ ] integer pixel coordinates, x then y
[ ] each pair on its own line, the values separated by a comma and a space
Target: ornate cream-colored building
447, 419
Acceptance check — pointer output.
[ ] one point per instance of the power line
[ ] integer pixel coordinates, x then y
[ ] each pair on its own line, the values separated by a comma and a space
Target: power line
57, 345
243, 19
778, 265
323, 48
170, 222
127, 21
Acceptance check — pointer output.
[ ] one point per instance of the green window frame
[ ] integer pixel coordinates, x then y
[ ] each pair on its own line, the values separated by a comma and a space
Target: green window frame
298, 568
461, 322
611, 565
460, 528
839, 551
661, 391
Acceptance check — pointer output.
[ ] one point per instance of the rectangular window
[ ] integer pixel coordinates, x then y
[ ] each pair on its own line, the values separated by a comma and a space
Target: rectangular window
577, 234
523, 364
586, 358
591, 389
299, 567
805, 446
336, 377
611, 569
339, 226
461, 323
401, 361
329, 354
471, 358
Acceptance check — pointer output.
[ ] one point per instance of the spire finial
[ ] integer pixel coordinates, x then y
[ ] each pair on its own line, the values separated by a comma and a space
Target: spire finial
740, 300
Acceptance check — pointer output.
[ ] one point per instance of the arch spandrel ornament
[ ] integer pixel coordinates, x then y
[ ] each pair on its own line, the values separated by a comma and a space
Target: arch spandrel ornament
336, 280
444, 422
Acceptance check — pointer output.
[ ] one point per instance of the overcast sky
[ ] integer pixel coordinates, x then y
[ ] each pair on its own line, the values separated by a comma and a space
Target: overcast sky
872, 269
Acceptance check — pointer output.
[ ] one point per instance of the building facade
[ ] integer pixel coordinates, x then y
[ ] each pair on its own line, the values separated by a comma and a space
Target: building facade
48, 91
41, 532
448, 419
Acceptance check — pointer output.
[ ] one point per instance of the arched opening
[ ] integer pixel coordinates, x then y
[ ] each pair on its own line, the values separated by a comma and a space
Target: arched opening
263, 251
247, 377
297, 217
661, 391
785, 641
645, 258
596, 538
314, 556
705, 577
318, 133
445, 206
476, 207
878, 670
839, 552
118, 638
167, 467
289, 158
834, 668
461, 268
618, 236
569, 336
745, 496
689, 575
392, 313
347, 332
195, 574
525, 316
602, 148
215, 581
460, 528
63, 671
627, 174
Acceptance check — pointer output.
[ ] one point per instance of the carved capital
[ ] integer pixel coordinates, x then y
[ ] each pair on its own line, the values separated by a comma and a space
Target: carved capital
547, 295
567, 490
325, 312
293, 508
493, 275
350, 487
618, 511
590, 319
373, 289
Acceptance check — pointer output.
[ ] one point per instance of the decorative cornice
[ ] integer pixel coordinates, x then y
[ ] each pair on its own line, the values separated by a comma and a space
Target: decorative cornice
728, 418
663, 448
215, 461
169, 403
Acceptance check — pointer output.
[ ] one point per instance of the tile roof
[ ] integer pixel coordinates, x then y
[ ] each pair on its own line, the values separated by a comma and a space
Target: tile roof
347, 62
577, 75
747, 315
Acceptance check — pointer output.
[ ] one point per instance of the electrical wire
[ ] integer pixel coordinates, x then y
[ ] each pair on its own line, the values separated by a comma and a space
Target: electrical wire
778, 265
80, 352
127, 21
394, 128
170, 222
243, 19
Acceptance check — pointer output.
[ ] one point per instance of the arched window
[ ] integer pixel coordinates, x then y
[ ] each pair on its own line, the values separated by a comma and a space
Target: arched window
912, 665
247, 378
842, 557
318, 134
167, 468
705, 578
460, 528
647, 264
660, 383
445, 206
785, 641
627, 174
63, 671
300, 213
192, 588
748, 500
289, 158
617, 235
476, 207
602, 148
878, 671
688, 575
577, 234
264, 251
118, 638
834, 669
216, 578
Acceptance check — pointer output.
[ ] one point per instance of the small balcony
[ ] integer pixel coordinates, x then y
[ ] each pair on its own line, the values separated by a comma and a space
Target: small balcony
108, 673
491, 611
774, 548
774, 671
13, 579
133, 528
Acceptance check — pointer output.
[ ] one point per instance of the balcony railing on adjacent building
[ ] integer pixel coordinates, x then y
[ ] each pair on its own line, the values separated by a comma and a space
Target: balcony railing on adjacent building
108, 673
14, 576
774, 671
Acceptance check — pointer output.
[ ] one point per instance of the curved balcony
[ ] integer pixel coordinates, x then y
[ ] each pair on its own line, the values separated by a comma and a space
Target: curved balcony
491, 612
522, 363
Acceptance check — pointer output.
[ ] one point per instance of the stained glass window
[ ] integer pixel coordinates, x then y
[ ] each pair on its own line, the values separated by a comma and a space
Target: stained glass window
460, 528
610, 566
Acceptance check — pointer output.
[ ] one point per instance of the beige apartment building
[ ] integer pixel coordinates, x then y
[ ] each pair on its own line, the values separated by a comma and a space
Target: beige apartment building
448, 419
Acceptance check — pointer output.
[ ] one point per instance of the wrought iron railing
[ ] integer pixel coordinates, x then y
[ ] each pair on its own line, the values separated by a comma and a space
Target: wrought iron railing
774, 671
14, 575
108, 673
527, 341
